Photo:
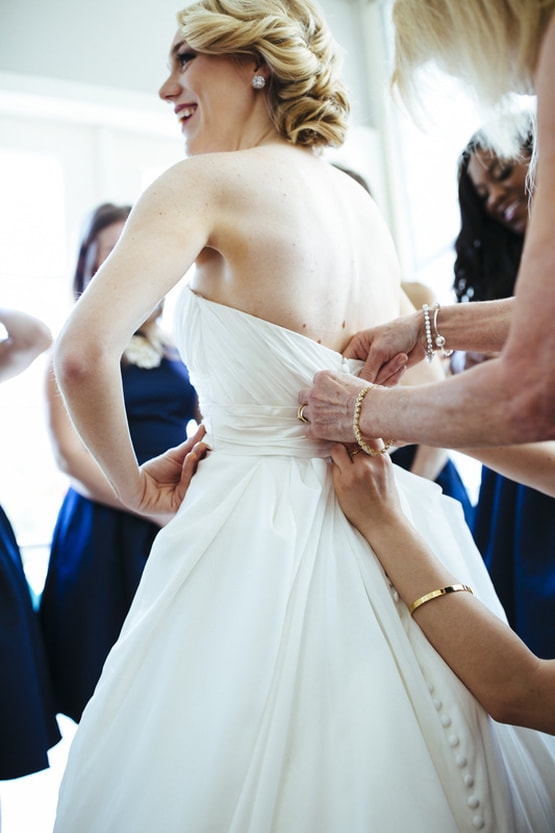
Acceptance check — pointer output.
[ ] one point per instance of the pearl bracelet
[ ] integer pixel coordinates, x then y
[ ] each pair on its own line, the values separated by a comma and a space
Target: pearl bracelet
443, 591
373, 452
428, 328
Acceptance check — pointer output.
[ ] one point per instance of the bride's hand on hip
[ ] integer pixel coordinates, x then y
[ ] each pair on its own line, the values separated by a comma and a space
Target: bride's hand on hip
166, 478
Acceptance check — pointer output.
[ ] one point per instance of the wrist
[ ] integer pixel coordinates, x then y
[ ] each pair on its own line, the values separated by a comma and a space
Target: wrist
421, 338
433, 338
389, 533
368, 415
131, 492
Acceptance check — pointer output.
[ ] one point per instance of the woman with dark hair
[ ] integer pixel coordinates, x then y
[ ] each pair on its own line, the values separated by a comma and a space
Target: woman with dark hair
99, 546
514, 526
489, 244
100, 234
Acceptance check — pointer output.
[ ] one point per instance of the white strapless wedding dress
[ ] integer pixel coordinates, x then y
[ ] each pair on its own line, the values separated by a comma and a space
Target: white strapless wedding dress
267, 678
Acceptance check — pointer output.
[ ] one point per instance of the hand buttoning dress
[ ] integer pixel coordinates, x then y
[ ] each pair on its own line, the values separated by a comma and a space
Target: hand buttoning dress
267, 678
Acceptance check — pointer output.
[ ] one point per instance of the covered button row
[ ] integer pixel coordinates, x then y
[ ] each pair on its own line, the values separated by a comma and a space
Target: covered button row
472, 801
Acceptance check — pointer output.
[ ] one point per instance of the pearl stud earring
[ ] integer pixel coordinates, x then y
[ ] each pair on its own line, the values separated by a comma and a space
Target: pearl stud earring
258, 82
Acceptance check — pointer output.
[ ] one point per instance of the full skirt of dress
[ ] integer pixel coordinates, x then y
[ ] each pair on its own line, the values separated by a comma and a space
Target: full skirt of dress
268, 679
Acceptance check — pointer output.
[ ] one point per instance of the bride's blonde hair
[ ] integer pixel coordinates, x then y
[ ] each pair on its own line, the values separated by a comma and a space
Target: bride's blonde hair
307, 102
493, 45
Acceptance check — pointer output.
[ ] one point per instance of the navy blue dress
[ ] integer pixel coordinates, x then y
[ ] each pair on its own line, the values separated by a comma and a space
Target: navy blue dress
28, 725
98, 553
449, 479
514, 530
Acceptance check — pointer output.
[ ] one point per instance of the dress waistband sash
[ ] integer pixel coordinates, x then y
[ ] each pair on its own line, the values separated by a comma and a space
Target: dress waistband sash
260, 430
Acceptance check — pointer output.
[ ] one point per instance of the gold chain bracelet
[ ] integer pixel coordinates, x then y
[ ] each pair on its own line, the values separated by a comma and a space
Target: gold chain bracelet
373, 452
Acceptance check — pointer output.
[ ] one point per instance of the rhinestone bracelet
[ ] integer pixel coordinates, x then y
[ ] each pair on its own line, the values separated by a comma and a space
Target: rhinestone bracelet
373, 452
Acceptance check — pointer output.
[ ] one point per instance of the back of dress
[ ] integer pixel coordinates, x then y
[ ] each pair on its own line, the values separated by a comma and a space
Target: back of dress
268, 678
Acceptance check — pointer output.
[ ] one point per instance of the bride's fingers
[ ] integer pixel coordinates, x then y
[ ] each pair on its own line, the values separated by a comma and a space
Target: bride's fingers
190, 464
190, 443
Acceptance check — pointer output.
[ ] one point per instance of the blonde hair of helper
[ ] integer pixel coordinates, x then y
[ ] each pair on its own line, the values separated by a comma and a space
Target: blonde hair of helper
492, 45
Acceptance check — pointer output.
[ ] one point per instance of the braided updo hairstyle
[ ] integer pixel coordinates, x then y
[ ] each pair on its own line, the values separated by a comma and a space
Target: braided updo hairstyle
307, 102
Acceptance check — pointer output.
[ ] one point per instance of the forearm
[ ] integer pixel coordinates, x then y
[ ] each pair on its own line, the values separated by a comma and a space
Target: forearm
72, 458
509, 681
87, 478
27, 338
532, 464
490, 403
482, 327
90, 383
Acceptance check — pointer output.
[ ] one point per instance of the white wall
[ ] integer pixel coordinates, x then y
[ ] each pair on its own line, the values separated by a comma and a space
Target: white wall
123, 45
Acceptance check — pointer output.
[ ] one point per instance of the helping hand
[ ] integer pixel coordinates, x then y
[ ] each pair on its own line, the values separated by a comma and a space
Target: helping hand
166, 478
366, 490
330, 404
388, 350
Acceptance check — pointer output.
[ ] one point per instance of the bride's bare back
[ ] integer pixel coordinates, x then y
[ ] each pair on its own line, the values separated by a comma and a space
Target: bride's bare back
299, 243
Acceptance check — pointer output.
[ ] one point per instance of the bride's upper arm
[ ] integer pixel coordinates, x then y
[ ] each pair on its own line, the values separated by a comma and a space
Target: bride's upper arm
166, 231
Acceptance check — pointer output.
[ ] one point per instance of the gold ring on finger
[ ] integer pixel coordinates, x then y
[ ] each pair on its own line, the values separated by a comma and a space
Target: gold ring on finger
300, 416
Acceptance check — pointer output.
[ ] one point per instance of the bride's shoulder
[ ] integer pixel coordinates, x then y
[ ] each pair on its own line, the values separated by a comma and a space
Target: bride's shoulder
215, 171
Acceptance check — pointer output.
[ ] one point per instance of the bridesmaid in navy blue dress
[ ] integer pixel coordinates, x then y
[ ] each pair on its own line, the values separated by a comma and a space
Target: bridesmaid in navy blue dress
514, 526
99, 548
28, 725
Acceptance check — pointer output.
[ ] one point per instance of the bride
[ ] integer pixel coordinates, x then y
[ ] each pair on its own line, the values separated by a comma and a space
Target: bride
268, 678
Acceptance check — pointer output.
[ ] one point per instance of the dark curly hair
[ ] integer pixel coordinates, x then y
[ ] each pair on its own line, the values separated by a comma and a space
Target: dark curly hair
487, 253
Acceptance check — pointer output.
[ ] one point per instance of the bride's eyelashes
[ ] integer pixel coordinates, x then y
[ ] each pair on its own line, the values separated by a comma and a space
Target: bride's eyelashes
183, 58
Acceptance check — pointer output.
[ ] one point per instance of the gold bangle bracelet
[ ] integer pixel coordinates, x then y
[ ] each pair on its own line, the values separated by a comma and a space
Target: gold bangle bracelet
443, 591
373, 452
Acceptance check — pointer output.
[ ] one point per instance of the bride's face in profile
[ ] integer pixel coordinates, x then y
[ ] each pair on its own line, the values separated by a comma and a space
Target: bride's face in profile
212, 97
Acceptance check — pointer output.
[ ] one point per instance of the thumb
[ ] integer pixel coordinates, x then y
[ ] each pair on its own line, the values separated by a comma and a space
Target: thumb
387, 373
340, 456
391, 373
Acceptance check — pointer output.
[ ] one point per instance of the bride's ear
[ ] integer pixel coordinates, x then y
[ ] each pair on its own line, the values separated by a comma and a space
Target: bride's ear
263, 69
258, 69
